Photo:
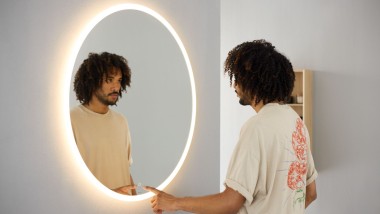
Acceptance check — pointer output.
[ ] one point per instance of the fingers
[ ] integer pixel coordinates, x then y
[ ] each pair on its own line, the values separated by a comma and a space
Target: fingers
157, 211
151, 189
129, 187
155, 208
154, 205
154, 201
125, 190
132, 186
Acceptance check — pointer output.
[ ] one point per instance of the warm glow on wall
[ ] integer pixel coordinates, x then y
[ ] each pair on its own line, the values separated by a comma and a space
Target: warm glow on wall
68, 72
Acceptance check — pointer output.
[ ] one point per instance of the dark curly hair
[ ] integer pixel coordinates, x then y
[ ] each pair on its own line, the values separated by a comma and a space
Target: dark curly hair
260, 71
94, 69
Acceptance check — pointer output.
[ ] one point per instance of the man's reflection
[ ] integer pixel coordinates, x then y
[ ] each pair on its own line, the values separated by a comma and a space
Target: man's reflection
102, 135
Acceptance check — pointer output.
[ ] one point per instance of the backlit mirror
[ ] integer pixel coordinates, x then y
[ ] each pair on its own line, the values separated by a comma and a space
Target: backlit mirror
160, 104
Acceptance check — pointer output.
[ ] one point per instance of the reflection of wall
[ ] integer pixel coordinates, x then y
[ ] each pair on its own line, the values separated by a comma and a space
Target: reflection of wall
339, 41
38, 174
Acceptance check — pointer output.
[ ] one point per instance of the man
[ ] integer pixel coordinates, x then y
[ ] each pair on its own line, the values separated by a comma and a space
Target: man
102, 135
271, 169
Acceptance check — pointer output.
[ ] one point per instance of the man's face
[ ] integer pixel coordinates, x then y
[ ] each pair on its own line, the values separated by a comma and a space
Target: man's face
108, 93
244, 100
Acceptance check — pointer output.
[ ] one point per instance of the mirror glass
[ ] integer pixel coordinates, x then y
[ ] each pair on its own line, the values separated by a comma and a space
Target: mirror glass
159, 103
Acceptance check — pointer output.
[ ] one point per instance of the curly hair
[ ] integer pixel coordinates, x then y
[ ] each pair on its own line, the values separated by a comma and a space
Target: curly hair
260, 71
94, 69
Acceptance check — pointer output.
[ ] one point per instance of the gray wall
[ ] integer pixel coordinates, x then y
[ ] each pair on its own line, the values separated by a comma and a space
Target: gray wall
38, 174
339, 41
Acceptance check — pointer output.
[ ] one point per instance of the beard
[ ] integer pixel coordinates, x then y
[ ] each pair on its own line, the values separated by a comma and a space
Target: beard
103, 98
243, 100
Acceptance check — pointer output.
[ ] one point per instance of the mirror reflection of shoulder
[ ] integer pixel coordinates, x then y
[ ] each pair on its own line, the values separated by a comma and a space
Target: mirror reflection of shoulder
102, 134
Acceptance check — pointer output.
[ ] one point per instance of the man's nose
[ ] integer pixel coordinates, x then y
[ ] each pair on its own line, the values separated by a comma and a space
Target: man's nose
115, 86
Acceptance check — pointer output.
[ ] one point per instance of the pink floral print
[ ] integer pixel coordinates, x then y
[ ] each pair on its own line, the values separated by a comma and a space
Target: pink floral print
298, 168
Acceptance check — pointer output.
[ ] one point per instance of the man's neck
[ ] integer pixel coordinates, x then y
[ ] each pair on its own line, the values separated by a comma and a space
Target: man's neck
97, 107
257, 107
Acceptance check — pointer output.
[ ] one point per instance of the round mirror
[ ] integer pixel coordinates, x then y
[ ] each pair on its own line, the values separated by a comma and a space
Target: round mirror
160, 104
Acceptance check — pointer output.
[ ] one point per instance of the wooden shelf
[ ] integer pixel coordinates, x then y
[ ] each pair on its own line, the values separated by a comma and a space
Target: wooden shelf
303, 86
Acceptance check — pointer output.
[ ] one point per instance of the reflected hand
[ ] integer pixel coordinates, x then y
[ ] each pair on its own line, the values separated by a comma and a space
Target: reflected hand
162, 201
125, 190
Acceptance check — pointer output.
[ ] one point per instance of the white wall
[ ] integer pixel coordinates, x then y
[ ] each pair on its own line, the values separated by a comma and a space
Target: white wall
38, 173
339, 41
336, 39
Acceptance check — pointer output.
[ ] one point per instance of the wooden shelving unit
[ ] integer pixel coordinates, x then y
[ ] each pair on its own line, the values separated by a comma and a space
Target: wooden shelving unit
303, 87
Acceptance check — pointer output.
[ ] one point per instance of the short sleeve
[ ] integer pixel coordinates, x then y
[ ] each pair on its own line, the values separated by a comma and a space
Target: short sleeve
243, 170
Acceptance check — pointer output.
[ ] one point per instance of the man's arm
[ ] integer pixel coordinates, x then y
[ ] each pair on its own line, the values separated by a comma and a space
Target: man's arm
311, 193
229, 201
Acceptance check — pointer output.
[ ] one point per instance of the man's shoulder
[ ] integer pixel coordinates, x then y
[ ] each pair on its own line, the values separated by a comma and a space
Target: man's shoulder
77, 114
75, 109
253, 121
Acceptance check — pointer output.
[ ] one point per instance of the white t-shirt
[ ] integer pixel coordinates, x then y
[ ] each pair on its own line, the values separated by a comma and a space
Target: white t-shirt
105, 145
272, 164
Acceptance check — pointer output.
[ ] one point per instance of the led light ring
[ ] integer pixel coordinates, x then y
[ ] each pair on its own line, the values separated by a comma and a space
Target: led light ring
70, 68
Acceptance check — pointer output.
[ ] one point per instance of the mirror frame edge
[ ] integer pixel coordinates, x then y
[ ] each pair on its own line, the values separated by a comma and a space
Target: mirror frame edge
70, 65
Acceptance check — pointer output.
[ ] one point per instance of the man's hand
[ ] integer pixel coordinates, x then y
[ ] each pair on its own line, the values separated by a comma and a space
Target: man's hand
125, 190
229, 201
162, 201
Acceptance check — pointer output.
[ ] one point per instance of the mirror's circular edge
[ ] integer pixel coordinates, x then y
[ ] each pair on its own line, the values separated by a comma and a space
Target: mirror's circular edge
84, 33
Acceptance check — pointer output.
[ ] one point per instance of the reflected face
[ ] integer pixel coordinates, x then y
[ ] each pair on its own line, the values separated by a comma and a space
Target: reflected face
244, 99
108, 93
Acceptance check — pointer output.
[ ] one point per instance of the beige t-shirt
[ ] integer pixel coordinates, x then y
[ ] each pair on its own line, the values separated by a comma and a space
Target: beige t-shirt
105, 145
272, 163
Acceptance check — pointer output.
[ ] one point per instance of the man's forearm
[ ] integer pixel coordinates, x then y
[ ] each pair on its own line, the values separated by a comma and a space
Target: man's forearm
225, 202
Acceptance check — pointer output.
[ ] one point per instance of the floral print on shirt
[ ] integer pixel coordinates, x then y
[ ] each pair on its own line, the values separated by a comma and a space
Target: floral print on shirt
298, 168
